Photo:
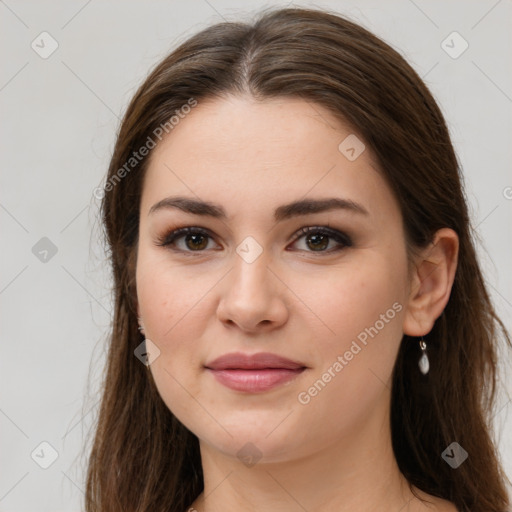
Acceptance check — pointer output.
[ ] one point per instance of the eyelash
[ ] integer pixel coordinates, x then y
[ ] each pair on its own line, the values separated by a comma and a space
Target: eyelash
343, 239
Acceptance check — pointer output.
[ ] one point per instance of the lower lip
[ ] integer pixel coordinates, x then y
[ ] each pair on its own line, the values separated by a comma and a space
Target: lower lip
254, 381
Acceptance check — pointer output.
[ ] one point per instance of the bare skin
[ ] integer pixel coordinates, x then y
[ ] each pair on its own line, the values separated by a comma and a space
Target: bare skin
304, 298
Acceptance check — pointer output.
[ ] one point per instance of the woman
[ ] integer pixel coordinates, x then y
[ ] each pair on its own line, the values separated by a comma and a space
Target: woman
300, 322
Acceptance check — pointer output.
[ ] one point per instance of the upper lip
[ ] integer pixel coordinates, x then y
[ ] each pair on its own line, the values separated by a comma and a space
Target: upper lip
259, 361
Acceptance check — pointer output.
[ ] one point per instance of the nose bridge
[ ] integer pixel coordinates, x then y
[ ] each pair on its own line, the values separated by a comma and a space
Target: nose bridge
250, 262
252, 295
250, 273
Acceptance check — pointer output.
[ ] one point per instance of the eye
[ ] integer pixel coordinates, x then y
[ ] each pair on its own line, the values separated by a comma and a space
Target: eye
316, 238
194, 239
319, 238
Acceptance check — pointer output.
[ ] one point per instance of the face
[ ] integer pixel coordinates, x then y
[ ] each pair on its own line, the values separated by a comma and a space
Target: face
299, 253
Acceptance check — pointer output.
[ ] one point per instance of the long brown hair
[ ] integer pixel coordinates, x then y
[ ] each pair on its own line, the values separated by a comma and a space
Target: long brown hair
143, 459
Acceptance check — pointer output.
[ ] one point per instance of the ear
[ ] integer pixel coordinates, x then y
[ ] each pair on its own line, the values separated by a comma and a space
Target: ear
431, 282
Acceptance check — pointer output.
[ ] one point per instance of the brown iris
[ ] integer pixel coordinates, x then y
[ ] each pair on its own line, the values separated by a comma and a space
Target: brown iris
199, 241
320, 241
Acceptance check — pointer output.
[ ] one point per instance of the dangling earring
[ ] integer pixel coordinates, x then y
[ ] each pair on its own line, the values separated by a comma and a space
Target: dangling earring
423, 363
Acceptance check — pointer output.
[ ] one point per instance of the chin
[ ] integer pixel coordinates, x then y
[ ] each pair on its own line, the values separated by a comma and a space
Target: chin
259, 437
250, 448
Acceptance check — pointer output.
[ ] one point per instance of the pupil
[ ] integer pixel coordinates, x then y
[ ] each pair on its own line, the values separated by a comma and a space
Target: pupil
319, 238
194, 239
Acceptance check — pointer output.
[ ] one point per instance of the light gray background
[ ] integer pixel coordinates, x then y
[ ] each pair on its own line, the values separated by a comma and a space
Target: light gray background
59, 120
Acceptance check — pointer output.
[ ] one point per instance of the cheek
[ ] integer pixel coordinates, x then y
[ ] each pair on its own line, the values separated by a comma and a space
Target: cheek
353, 379
173, 304
169, 296
352, 300
364, 308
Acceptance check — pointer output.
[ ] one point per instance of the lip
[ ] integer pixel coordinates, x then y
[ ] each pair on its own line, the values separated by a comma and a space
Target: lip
258, 361
254, 373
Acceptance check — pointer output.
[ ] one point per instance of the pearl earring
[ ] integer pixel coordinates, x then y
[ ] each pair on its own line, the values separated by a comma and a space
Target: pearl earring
423, 363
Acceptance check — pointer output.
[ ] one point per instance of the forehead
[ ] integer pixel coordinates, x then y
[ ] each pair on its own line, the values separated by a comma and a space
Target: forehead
262, 152
240, 127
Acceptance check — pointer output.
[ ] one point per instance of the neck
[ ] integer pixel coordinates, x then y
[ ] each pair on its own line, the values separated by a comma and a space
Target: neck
358, 472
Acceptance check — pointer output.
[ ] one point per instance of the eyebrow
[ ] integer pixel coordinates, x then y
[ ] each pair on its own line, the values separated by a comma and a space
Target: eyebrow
284, 212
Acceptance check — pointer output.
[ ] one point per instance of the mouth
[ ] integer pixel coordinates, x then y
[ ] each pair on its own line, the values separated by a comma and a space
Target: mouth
253, 373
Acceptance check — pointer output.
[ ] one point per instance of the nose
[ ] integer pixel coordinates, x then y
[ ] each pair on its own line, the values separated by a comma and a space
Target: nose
253, 297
